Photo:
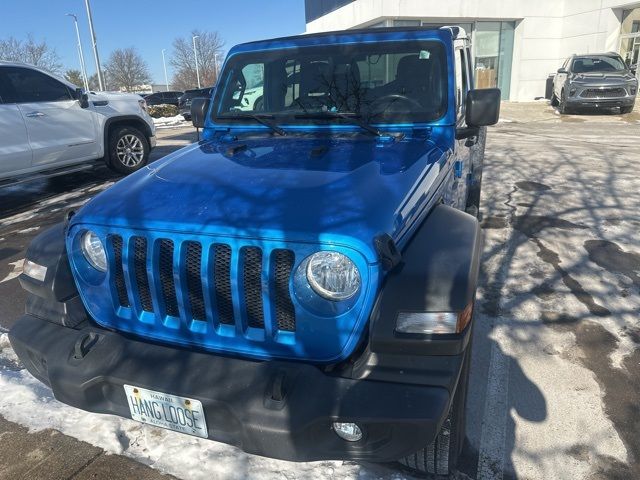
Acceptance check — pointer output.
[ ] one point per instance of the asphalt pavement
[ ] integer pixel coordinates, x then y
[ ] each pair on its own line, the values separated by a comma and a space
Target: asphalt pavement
555, 380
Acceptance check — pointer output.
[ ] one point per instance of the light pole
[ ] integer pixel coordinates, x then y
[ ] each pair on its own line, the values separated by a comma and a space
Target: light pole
81, 55
195, 54
164, 64
95, 46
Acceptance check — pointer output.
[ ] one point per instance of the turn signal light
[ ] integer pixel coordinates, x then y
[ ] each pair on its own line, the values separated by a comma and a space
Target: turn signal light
434, 322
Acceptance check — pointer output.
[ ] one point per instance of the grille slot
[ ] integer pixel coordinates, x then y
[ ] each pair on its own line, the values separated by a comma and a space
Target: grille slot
252, 283
194, 281
222, 283
603, 93
140, 270
166, 278
285, 313
121, 288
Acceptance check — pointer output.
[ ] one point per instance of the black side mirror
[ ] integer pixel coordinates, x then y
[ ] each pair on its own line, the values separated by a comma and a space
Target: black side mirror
483, 107
199, 110
82, 97
562, 71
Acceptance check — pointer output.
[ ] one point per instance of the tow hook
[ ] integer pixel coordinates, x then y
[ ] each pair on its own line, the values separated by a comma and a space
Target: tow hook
84, 344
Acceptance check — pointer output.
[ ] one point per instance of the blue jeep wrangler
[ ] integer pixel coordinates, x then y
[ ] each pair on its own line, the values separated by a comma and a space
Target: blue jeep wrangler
300, 282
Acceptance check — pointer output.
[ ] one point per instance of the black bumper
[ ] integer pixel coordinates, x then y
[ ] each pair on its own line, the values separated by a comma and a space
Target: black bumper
241, 401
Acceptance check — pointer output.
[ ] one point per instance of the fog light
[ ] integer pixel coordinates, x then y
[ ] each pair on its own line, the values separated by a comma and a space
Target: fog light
33, 270
347, 431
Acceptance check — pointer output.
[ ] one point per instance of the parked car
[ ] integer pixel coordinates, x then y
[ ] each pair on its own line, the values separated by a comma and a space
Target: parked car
301, 282
184, 102
49, 125
163, 98
594, 81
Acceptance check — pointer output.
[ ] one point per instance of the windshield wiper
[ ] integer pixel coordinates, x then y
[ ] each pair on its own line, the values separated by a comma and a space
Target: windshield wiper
260, 118
353, 118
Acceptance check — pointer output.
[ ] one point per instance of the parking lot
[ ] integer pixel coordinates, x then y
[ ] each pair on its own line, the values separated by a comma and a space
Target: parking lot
555, 376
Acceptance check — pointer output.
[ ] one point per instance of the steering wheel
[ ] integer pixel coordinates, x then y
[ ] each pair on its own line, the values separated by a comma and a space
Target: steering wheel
395, 103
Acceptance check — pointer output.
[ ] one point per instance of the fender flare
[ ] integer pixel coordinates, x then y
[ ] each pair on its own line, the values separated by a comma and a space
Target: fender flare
438, 273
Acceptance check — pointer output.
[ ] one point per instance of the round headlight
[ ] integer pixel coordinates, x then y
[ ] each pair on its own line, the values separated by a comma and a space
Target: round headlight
93, 251
333, 276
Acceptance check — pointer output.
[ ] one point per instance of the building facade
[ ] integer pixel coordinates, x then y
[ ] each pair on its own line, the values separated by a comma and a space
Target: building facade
517, 43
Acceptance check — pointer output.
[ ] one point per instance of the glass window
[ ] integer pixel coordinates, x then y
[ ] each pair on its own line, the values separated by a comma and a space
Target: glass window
33, 86
630, 21
406, 23
379, 82
494, 55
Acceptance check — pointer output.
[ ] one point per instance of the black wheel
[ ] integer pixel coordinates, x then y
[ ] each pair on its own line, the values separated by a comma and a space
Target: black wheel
554, 100
562, 105
128, 150
625, 110
441, 456
475, 188
258, 105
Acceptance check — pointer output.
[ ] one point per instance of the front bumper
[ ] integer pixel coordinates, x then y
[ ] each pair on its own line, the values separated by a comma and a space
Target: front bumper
237, 395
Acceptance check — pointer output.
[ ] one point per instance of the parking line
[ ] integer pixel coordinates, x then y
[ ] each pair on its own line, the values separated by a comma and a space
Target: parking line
494, 420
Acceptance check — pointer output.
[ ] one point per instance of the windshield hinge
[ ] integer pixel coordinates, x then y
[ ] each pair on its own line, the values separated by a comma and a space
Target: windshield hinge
387, 250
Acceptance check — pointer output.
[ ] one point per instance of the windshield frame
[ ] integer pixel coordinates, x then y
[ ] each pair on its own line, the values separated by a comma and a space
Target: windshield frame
290, 121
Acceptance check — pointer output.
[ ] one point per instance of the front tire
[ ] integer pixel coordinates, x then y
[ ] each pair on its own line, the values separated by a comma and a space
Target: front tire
441, 456
562, 106
128, 150
625, 110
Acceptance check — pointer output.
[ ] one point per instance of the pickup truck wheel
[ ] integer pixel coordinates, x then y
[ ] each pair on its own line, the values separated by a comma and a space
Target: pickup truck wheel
554, 100
625, 110
128, 150
441, 456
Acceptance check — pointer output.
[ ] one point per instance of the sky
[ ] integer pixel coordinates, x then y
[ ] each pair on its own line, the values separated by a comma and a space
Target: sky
147, 25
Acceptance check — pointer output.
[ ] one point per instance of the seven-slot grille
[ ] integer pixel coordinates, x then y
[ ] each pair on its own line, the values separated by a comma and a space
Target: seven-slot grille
604, 93
152, 275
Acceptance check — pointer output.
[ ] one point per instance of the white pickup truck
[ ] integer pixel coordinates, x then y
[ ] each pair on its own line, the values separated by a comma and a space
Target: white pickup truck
49, 126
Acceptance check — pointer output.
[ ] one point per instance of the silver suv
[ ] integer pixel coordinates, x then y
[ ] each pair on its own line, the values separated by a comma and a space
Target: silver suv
47, 125
595, 80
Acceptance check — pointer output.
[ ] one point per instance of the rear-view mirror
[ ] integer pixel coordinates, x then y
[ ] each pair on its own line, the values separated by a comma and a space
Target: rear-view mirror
483, 107
199, 109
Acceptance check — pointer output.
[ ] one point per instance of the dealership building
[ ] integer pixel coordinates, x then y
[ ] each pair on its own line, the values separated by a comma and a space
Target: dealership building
516, 43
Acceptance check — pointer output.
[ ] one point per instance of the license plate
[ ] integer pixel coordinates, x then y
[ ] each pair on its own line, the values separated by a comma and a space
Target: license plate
180, 414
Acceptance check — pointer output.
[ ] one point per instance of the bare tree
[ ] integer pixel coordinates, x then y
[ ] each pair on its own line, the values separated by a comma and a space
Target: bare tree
210, 47
32, 52
127, 70
75, 77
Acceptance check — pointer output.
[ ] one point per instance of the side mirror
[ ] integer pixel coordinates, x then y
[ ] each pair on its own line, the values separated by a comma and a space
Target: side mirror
562, 71
483, 107
82, 97
199, 110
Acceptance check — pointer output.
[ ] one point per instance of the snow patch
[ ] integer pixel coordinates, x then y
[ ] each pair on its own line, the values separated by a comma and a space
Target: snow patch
30, 403
171, 122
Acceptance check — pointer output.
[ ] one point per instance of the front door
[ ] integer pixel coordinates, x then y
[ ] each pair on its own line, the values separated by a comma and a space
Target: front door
15, 151
60, 131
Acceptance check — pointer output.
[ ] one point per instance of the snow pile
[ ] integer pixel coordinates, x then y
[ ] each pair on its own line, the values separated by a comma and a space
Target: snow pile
30, 403
171, 122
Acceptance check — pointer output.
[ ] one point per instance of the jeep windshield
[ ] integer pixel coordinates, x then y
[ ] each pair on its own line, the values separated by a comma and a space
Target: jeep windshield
357, 84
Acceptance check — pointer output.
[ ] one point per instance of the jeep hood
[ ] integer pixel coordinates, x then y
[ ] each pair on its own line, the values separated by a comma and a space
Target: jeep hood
295, 187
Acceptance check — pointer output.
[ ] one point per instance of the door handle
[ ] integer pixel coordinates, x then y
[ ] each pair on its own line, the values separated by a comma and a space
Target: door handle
34, 114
